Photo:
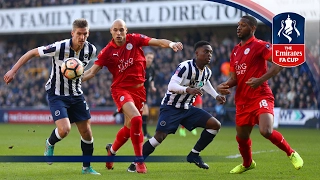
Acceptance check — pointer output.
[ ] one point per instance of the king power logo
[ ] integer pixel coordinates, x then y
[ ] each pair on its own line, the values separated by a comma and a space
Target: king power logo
288, 49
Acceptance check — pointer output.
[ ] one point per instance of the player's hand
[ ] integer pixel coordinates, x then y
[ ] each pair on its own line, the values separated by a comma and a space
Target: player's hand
223, 89
177, 46
194, 91
8, 77
153, 89
254, 82
221, 99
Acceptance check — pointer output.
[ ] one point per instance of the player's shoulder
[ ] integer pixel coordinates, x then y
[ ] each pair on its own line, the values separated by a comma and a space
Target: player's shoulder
87, 43
136, 36
107, 49
63, 41
186, 62
261, 42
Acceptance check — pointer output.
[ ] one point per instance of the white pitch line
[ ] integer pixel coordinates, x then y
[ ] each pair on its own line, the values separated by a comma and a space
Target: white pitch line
256, 152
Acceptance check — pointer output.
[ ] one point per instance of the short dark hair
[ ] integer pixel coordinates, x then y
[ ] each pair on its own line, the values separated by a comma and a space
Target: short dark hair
200, 44
252, 20
79, 23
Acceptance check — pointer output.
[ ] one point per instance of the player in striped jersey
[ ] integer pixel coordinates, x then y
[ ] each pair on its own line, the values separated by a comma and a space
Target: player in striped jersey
189, 80
66, 100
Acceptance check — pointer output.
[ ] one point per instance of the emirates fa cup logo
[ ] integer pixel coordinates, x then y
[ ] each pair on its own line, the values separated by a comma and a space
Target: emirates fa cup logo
288, 49
287, 28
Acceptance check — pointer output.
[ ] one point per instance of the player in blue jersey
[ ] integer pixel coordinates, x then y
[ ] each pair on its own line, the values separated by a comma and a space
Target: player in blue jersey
66, 100
190, 79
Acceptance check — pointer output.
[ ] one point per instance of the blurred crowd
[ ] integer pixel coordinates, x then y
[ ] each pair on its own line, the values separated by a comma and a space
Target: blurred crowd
293, 87
40, 3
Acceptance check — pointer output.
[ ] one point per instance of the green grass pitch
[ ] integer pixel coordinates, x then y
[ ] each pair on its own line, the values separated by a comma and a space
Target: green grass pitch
272, 163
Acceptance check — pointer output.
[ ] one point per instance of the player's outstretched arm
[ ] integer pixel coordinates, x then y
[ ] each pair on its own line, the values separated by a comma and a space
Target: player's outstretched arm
176, 46
210, 90
223, 88
8, 77
90, 73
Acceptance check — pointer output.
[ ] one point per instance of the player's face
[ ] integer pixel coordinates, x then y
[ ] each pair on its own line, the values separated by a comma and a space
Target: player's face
244, 30
149, 59
119, 32
79, 36
204, 54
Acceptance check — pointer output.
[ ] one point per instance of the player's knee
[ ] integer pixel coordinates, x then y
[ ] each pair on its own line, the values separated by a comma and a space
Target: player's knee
266, 132
86, 134
213, 123
64, 131
136, 120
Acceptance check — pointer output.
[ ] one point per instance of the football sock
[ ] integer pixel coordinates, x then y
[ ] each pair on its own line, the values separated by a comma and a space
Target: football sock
87, 150
277, 139
122, 137
136, 135
206, 137
245, 150
149, 146
54, 137
144, 124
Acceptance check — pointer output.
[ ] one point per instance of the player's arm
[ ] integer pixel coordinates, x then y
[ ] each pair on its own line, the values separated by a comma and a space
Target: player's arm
176, 46
8, 77
223, 88
175, 87
271, 72
90, 73
210, 90
153, 88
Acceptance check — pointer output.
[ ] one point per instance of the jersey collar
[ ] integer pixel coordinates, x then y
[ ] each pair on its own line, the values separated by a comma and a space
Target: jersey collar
248, 41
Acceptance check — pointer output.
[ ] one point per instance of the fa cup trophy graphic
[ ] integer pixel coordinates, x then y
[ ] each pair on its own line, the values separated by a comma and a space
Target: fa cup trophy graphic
287, 30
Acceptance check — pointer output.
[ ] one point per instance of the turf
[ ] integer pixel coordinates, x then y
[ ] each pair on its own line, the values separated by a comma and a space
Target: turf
221, 155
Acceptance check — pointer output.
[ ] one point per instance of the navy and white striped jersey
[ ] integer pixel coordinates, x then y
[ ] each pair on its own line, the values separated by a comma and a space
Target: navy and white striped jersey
57, 83
188, 75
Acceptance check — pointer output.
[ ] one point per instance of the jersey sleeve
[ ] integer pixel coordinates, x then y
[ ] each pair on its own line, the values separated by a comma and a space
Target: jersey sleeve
232, 61
49, 50
180, 72
101, 57
176, 79
267, 50
141, 40
94, 52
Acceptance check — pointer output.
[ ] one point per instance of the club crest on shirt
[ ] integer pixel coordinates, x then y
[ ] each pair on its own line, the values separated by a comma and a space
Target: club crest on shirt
49, 46
268, 46
129, 46
247, 51
178, 70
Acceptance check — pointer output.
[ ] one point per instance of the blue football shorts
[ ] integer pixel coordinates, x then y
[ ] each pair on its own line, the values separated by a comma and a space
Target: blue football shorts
73, 107
170, 118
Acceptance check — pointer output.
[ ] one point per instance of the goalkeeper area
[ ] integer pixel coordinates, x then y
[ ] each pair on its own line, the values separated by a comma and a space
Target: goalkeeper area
221, 155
